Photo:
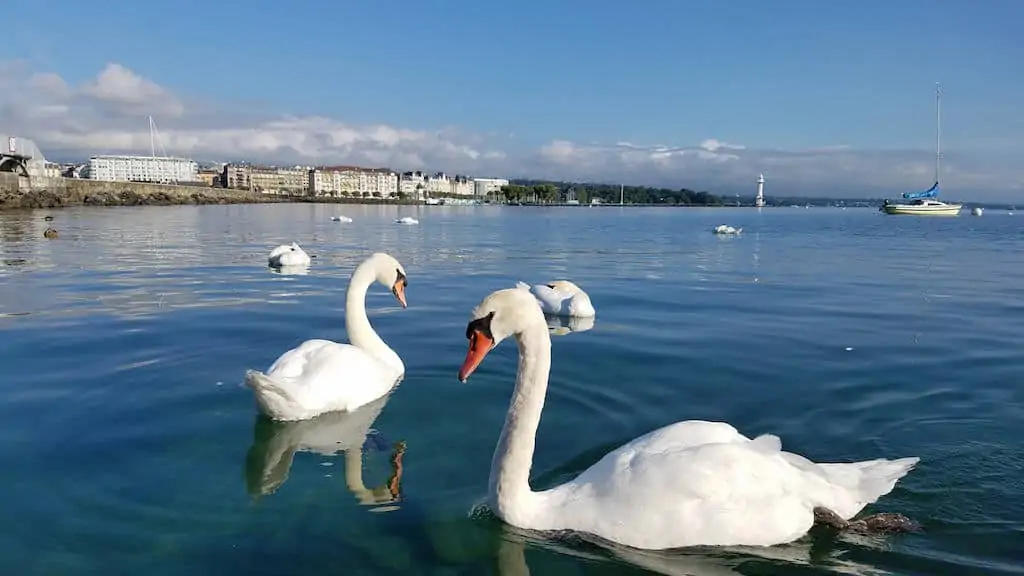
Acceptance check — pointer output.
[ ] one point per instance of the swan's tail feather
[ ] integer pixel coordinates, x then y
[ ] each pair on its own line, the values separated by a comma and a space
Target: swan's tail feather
879, 477
273, 399
870, 479
522, 285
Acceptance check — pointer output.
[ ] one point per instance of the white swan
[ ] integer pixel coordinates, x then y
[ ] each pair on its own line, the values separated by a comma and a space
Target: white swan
288, 255
340, 219
561, 298
727, 230
322, 376
406, 220
275, 444
687, 484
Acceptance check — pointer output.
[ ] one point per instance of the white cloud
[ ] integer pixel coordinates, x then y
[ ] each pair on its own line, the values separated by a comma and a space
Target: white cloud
108, 114
711, 145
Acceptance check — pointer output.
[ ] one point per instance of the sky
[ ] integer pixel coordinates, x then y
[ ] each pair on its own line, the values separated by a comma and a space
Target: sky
824, 98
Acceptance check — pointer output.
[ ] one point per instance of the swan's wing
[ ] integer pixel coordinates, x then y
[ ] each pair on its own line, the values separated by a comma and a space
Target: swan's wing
296, 256
693, 483
331, 376
276, 252
580, 305
551, 301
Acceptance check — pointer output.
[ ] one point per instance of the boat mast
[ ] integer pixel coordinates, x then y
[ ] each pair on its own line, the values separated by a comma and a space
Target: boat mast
938, 129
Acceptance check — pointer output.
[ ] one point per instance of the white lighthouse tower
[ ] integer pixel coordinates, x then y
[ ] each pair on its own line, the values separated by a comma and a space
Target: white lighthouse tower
759, 200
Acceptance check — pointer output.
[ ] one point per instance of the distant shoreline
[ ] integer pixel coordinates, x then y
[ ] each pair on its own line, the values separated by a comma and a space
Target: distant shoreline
55, 193
16, 194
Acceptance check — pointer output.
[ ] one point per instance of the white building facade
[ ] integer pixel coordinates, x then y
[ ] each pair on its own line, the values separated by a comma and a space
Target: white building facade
160, 169
484, 187
413, 184
352, 181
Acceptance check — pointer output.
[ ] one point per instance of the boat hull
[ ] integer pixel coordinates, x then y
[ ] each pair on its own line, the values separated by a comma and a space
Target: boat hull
912, 210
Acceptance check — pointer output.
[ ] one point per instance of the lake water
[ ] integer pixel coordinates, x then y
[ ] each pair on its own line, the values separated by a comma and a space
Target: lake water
129, 445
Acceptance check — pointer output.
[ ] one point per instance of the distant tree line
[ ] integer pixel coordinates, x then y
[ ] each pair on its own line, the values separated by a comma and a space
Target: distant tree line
547, 192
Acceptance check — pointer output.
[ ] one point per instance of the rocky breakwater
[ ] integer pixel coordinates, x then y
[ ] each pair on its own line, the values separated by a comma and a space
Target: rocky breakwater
61, 192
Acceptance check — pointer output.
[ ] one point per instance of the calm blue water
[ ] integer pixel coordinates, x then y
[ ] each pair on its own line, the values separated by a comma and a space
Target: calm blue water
130, 446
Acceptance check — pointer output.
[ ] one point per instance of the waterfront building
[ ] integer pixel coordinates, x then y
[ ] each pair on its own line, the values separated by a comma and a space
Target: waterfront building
353, 181
488, 188
266, 179
159, 169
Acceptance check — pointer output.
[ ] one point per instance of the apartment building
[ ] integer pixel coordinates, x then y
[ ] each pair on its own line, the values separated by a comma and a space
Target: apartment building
275, 180
266, 179
209, 177
462, 186
163, 169
488, 187
413, 184
353, 181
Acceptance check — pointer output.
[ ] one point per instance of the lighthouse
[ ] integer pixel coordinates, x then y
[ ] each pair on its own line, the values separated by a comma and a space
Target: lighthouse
759, 200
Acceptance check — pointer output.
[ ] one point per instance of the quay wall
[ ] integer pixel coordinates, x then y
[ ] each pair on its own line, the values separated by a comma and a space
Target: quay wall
18, 192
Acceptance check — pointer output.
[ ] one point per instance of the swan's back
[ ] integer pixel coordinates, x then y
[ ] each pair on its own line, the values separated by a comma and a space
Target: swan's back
288, 255
320, 376
559, 302
705, 483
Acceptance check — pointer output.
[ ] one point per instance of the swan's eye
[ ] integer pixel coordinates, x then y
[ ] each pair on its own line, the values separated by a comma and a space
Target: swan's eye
401, 278
481, 325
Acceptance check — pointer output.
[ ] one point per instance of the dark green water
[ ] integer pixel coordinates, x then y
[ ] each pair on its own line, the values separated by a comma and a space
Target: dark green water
129, 445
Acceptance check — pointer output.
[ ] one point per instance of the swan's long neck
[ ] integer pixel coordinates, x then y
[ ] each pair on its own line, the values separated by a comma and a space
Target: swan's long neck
360, 333
510, 494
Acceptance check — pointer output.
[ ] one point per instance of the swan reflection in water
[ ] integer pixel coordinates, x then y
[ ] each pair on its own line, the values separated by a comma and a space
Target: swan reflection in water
564, 325
275, 444
817, 550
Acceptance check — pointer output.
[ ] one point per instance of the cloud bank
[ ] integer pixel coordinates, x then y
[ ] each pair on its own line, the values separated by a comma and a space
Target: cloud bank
108, 114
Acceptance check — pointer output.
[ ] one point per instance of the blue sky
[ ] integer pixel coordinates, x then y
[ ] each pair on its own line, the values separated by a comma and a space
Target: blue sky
826, 97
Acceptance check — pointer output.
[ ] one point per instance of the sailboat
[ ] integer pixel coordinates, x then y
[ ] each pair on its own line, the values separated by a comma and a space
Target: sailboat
927, 203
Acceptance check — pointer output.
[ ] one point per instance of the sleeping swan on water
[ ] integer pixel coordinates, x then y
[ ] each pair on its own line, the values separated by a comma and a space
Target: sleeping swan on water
288, 255
561, 298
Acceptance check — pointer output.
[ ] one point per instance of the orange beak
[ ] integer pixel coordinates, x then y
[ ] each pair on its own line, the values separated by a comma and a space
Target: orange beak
399, 291
479, 346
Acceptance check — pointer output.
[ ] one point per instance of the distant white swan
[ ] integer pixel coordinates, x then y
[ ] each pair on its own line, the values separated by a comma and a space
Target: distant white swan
340, 219
561, 298
322, 376
727, 230
275, 444
406, 220
691, 483
288, 255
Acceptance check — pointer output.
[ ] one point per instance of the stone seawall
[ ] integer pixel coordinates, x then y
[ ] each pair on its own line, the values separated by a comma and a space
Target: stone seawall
16, 193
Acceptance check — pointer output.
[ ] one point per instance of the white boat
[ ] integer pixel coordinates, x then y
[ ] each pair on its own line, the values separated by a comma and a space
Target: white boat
926, 203
923, 207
